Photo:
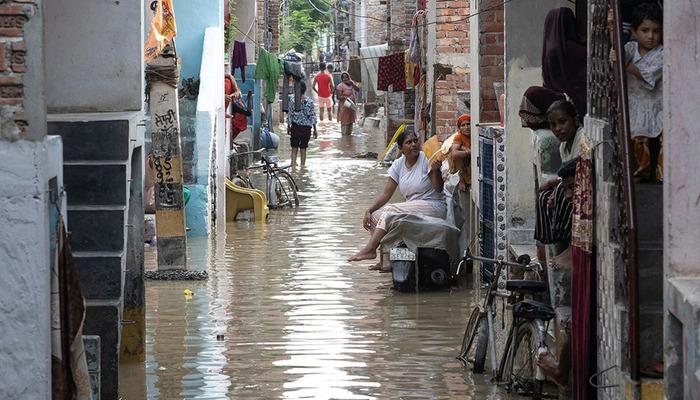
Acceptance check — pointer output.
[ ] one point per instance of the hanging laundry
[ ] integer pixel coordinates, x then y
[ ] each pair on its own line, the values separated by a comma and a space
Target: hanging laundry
69, 371
269, 69
412, 71
391, 71
414, 46
239, 59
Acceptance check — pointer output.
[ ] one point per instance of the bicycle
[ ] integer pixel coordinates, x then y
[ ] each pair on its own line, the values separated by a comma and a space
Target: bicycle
530, 320
280, 187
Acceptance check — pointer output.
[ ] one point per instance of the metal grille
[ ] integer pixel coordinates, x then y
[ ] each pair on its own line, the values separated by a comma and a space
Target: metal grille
487, 247
601, 79
603, 100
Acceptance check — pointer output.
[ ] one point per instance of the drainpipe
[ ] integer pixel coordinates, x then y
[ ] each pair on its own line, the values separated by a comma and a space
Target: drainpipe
628, 189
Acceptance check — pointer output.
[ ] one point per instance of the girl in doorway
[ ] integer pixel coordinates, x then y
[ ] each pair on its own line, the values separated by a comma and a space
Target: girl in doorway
644, 61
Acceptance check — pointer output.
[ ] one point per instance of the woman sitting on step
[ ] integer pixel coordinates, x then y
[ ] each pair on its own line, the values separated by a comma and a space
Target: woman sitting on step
420, 182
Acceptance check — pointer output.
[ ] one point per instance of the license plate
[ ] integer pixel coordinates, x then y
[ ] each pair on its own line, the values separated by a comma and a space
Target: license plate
401, 254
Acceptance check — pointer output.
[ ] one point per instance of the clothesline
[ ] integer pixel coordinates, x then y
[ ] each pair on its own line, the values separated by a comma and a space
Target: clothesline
257, 45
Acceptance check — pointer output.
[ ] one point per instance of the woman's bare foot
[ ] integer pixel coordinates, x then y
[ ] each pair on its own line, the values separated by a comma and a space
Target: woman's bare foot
363, 255
550, 367
375, 267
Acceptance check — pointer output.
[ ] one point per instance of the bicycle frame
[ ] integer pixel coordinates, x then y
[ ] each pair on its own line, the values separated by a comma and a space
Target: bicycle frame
488, 303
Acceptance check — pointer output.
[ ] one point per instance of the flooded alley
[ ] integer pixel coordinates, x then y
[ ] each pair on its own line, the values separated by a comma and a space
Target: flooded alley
283, 315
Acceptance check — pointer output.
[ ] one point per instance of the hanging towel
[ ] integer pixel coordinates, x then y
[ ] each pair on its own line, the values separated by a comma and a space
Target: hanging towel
69, 372
240, 58
391, 71
269, 69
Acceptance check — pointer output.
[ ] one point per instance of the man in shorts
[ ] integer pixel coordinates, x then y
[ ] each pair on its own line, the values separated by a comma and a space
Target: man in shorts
323, 87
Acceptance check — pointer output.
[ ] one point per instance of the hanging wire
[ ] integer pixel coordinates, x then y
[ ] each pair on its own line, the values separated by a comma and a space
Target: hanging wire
311, 3
168, 74
465, 18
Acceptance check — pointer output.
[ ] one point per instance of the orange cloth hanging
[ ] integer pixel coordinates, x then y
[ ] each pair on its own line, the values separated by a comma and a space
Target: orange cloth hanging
162, 30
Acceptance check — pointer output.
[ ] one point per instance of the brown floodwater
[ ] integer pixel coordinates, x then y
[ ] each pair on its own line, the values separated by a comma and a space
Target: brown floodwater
297, 320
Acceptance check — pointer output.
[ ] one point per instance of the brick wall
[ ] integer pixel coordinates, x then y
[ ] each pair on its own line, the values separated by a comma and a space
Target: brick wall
376, 30
13, 53
401, 15
273, 13
491, 58
451, 81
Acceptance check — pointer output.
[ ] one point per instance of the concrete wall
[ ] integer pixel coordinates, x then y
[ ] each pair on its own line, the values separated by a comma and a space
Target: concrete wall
193, 17
25, 228
90, 71
524, 26
681, 189
207, 201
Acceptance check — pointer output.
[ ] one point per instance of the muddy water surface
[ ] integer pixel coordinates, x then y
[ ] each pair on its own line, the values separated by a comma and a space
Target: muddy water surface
297, 320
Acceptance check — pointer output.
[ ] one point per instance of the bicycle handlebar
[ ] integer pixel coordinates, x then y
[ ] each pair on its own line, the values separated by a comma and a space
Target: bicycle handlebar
523, 261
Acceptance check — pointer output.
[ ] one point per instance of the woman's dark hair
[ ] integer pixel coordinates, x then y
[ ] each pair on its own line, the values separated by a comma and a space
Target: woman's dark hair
345, 73
649, 11
403, 136
322, 66
302, 87
564, 106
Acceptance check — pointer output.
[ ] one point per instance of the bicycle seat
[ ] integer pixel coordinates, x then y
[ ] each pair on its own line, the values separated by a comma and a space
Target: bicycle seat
526, 286
271, 159
530, 309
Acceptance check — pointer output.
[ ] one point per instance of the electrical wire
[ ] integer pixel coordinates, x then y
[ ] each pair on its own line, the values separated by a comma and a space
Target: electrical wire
388, 20
311, 3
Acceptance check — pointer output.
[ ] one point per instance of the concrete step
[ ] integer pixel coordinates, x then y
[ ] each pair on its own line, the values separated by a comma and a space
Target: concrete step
96, 230
100, 276
95, 184
93, 140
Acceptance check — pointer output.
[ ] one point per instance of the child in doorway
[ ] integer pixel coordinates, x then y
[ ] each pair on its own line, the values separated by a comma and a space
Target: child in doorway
644, 61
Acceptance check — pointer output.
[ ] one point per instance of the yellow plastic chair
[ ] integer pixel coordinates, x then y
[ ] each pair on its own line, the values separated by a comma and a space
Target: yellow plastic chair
240, 199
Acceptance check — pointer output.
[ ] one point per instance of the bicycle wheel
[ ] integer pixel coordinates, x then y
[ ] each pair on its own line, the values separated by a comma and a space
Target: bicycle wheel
520, 367
475, 341
284, 190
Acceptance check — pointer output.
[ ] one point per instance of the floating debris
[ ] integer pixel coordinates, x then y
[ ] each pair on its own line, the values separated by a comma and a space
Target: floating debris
176, 275
370, 155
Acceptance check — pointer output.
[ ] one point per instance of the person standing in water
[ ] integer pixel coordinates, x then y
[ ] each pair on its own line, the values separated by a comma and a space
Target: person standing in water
323, 86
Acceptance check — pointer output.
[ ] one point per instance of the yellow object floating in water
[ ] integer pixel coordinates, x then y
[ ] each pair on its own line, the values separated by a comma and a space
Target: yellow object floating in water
188, 294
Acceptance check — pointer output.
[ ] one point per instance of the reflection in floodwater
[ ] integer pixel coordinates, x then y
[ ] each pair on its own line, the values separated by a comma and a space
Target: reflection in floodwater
297, 320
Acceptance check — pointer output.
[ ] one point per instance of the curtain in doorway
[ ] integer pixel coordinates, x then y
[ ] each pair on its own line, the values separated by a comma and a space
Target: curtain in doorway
583, 281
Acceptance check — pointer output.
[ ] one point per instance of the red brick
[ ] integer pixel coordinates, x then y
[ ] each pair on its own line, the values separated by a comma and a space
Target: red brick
10, 80
11, 32
490, 116
12, 10
491, 27
492, 49
10, 102
456, 34
19, 46
3, 65
444, 114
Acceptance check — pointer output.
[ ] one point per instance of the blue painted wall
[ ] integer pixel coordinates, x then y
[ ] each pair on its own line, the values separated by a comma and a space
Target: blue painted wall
192, 17
254, 86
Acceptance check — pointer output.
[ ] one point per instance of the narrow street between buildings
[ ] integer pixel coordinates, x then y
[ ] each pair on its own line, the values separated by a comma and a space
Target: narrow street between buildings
297, 320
